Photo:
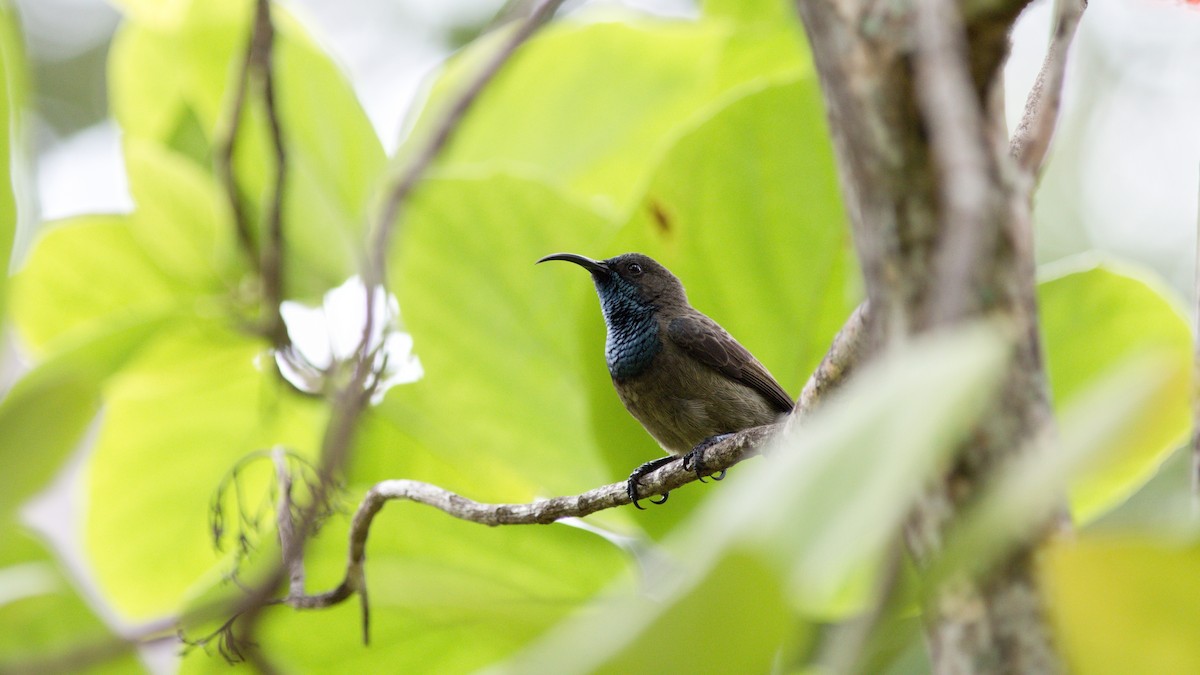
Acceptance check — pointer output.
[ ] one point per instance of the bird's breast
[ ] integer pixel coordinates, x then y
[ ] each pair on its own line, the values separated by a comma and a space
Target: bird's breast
630, 348
682, 402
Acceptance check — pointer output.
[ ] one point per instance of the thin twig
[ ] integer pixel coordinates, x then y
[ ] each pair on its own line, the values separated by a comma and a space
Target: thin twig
848, 351
954, 120
226, 142
271, 266
285, 524
1031, 140
267, 258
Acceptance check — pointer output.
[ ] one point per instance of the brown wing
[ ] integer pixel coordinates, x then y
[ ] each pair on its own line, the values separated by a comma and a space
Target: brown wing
708, 343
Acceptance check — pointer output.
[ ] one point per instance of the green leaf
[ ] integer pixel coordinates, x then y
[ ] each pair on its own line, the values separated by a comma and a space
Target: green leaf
177, 419
45, 414
591, 106
732, 619
1092, 320
335, 160
12, 98
39, 427
835, 499
1124, 604
1026, 493
82, 275
745, 210
43, 616
182, 221
493, 332
333, 156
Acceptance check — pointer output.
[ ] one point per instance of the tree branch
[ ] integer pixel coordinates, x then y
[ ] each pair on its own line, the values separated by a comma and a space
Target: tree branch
286, 524
732, 450
271, 265
265, 257
848, 351
905, 119
954, 123
1031, 140
225, 143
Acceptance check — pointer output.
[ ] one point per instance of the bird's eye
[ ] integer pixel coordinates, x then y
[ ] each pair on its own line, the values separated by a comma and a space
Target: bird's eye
635, 269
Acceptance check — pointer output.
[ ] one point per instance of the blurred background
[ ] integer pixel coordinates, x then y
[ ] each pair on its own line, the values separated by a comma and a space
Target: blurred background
1123, 177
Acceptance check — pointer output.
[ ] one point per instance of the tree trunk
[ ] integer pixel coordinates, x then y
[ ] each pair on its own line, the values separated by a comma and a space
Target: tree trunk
941, 220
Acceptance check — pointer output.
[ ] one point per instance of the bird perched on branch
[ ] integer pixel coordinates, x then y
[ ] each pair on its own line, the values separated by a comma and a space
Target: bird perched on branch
677, 371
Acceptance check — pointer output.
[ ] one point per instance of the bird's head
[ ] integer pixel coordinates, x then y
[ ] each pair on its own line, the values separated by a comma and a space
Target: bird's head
630, 278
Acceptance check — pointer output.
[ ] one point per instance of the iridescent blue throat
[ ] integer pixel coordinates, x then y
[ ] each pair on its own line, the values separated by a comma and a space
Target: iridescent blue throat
632, 340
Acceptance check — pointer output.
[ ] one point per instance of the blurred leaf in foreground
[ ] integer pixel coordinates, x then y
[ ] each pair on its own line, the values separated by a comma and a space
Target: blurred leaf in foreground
804, 525
1092, 320
44, 619
1125, 604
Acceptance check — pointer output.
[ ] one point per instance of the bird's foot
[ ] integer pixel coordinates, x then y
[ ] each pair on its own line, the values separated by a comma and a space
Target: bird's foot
694, 460
631, 484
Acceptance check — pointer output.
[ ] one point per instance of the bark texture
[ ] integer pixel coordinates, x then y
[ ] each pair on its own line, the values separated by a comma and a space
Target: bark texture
941, 220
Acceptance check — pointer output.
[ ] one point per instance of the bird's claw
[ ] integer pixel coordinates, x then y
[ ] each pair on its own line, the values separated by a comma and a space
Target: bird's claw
631, 484
694, 460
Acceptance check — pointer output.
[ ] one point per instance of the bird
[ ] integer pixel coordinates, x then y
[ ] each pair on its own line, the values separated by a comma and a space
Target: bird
678, 372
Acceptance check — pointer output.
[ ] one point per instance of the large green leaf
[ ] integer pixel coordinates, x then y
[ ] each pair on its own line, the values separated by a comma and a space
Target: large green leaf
83, 275
591, 106
1092, 320
802, 525
745, 210
836, 498
733, 618
332, 153
446, 596
12, 97
181, 221
177, 419
45, 414
1124, 604
1026, 492
494, 333
44, 618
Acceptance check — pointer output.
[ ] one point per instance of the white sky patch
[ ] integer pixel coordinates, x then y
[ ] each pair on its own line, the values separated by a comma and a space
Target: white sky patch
84, 174
329, 333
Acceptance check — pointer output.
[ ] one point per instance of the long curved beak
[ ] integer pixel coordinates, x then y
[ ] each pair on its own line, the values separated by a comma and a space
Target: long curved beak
596, 267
